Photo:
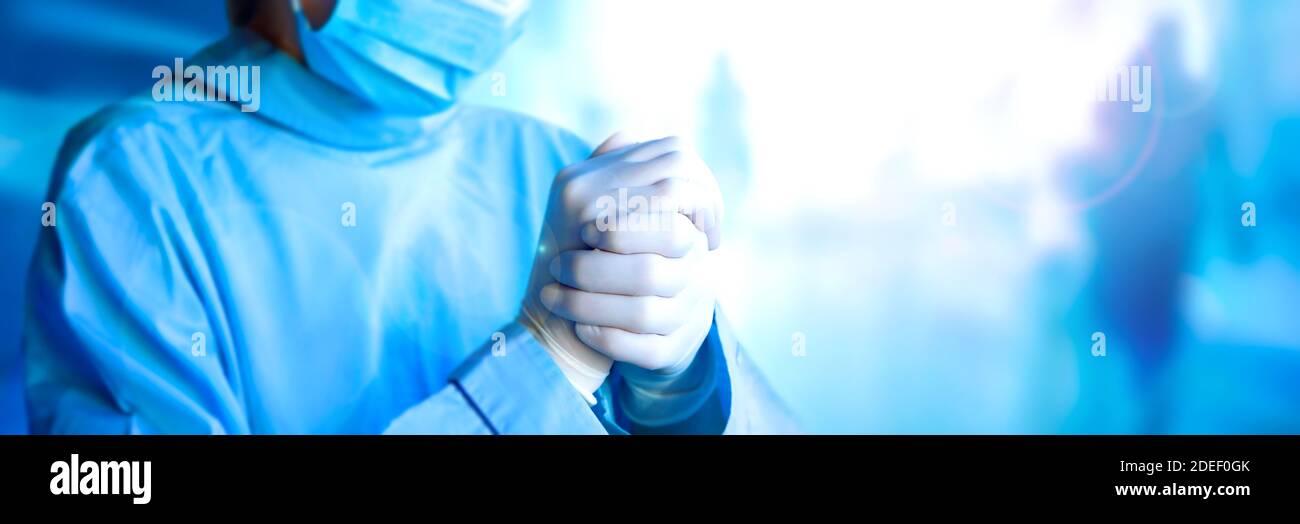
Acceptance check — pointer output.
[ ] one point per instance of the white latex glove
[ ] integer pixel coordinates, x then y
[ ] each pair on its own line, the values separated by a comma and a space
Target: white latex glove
656, 169
639, 297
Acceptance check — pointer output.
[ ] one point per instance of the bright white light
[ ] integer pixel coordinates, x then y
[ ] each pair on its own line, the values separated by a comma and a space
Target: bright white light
861, 119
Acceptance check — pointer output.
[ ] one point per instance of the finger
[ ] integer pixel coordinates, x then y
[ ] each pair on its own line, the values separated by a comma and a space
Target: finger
709, 219
673, 195
706, 221
668, 164
651, 149
638, 314
698, 198
687, 180
653, 352
650, 352
628, 206
634, 148
675, 237
632, 275
619, 149
648, 163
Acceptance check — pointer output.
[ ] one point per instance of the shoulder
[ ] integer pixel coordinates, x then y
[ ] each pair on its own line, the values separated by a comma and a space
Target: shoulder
524, 133
136, 141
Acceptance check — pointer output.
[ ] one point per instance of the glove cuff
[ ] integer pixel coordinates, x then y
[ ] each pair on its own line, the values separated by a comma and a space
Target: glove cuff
583, 376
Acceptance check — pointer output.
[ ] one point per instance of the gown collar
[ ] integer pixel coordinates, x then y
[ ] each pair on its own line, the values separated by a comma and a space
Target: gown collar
294, 97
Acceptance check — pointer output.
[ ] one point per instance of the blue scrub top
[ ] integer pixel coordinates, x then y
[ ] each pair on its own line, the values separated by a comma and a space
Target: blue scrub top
311, 267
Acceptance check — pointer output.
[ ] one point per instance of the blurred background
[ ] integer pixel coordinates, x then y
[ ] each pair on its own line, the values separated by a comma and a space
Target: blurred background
930, 215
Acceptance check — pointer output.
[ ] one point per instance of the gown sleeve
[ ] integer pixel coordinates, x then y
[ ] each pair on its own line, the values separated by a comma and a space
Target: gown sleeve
119, 336
509, 386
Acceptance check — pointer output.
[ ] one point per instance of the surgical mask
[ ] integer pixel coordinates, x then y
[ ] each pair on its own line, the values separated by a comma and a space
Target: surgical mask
409, 56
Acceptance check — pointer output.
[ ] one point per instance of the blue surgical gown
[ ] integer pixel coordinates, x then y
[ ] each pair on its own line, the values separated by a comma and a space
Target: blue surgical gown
311, 267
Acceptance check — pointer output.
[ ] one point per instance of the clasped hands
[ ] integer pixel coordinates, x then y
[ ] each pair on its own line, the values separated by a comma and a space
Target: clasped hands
622, 269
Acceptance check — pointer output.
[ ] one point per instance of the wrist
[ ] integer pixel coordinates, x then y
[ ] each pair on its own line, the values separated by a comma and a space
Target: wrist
657, 399
584, 368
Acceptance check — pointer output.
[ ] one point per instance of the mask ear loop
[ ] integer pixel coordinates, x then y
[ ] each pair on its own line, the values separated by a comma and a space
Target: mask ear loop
301, 24
299, 14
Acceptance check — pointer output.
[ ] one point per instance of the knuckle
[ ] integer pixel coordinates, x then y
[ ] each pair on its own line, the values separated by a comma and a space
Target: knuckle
672, 142
571, 194
674, 188
683, 235
596, 336
575, 267
563, 300
674, 160
644, 315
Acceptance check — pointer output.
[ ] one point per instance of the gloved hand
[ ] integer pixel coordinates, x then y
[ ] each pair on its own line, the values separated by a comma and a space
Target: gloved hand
637, 295
651, 318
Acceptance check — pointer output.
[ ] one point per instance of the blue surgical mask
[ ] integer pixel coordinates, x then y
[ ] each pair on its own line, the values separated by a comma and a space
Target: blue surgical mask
409, 56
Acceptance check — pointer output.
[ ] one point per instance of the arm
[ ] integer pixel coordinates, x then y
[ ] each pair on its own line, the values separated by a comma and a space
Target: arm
126, 332
510, 386
113, 313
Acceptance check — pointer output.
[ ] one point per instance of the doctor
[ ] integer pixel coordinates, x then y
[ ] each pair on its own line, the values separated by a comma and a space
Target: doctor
352, 257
